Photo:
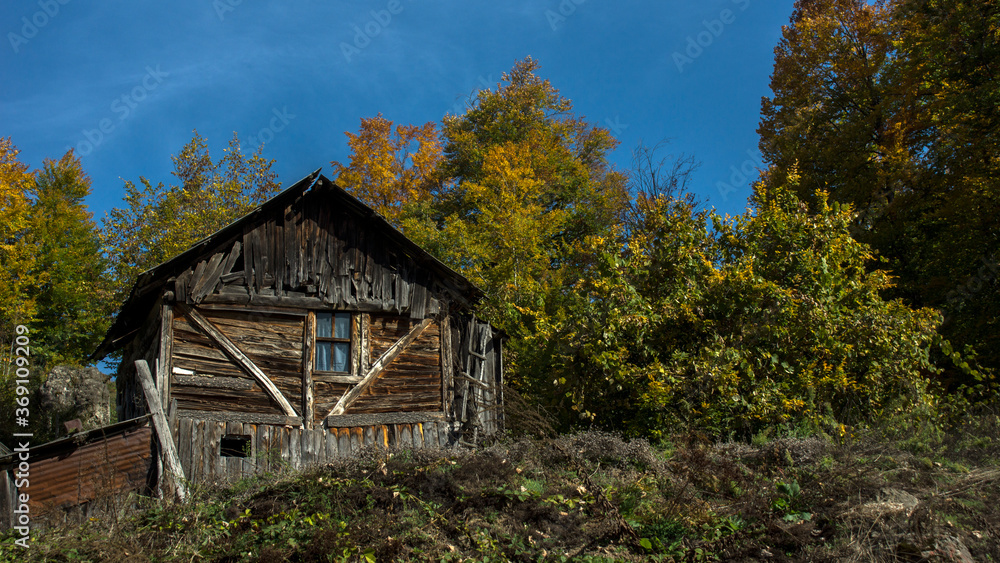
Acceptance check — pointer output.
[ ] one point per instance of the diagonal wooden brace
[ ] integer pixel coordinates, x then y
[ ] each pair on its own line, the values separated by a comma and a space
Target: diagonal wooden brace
237, 355
378, 368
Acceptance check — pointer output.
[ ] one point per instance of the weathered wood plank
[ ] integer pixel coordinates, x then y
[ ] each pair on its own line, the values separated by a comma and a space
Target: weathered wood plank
248, 466
184, 445
181, 286
241, 359
398, 401
400, 406
443, 431
235, 295
330, 440
233, 278
284, 314
405, 435
172, 418
195, 279
215, 463
319, 443
308, 456
363, 344
344, 379
308, 354
221, 401
445, 361
262, 443
163, 361
294, 447
166, 443
253, 418
197, 450
210, 278
344, 441
355, 366
377, 368
232, 383
353, 420
254, 317
356, 439
418, 435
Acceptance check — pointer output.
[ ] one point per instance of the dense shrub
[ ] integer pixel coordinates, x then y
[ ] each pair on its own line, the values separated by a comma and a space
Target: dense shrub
732, 325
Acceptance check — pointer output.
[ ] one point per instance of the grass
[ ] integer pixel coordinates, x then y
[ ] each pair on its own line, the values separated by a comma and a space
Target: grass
585, 497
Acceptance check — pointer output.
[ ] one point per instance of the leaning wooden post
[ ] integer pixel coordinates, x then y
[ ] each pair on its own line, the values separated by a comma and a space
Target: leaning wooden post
162, 427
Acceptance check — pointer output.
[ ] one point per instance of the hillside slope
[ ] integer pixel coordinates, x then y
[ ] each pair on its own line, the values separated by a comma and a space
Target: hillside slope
585, 497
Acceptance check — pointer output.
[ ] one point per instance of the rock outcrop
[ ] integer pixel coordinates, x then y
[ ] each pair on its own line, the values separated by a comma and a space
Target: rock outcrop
72, 392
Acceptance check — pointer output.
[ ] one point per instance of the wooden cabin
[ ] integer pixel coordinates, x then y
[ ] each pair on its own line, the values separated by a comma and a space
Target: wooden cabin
305, 330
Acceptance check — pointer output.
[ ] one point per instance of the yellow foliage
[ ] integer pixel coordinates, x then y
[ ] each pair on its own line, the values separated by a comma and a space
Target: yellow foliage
390, 167
16, 252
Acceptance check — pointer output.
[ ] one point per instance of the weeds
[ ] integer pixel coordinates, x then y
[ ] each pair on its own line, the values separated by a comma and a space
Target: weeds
584, 497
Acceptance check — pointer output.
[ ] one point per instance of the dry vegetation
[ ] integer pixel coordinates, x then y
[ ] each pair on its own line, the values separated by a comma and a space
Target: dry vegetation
584, 497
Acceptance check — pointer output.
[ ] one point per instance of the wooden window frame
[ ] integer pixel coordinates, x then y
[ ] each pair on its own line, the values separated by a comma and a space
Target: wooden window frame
354, 369
351, 342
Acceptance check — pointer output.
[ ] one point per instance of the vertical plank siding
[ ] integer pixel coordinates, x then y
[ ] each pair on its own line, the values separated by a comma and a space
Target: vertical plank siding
276, 448
477, 380
129, 401
311, 249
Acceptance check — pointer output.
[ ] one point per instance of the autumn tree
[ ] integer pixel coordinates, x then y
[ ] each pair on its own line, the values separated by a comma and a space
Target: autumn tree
832, 116
891, 107
158, 222
70, 292
526, 183
16, 254
391, 166
507, 194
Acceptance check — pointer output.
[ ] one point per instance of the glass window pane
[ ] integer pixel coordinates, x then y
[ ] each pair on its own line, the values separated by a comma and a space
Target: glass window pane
323, 356
340, 353
343, 326
324, 325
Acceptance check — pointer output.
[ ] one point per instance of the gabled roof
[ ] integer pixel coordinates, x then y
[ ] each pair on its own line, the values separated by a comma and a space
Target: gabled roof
151, 283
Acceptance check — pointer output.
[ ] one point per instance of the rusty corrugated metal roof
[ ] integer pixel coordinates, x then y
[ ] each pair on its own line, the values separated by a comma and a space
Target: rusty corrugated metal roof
86, 466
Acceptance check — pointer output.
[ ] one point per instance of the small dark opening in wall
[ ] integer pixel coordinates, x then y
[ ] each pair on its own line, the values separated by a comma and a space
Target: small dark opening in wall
234, 445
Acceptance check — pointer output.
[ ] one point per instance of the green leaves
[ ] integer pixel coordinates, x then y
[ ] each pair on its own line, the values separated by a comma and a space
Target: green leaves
71, 294
771, 319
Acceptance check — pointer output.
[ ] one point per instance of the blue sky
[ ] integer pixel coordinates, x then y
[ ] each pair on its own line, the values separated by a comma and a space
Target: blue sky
126, 83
